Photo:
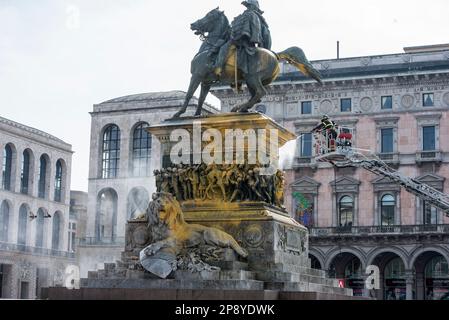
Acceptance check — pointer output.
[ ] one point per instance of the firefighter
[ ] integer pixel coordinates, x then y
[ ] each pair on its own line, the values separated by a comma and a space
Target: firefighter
327, 126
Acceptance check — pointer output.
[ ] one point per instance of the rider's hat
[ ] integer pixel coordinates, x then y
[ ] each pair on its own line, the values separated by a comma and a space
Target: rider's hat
253, 3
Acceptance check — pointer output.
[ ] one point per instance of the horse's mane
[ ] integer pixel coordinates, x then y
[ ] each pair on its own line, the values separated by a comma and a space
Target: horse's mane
225, 23
226, 20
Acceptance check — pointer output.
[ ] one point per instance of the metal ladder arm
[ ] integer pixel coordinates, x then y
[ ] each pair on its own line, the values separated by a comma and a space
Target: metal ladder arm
419, 189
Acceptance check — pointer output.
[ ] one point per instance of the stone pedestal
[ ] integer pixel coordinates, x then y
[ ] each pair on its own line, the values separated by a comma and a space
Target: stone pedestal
277, 245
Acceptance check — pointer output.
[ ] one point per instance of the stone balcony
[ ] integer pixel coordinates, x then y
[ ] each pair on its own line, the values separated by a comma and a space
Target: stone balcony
379, 230
379, 235
428, 156
105, 241
17, 248
389, 158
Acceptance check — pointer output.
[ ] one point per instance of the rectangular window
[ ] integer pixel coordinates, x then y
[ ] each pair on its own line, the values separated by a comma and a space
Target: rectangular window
346, 105
428, 138
387, 102
430, 214
386, 140
428, 100
73, 247
306, 145
306, 107
24, 287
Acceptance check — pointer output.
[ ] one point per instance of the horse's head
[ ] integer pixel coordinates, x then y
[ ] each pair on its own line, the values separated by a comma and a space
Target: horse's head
208, 23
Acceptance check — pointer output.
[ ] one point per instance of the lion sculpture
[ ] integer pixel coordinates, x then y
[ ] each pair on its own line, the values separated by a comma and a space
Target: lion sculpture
172, 236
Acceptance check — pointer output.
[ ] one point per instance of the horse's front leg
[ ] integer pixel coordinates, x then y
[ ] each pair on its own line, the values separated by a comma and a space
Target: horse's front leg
205, 88
194, 84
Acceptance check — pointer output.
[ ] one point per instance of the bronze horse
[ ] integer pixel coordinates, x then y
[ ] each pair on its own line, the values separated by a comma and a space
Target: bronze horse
264, 65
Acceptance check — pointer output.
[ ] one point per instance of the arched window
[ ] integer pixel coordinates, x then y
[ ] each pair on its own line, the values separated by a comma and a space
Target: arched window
56, 231
111, 152
58, 181
138, 200
388, 208
25, 173
42, 186
40, 220
395, 286
7, 168
106, 219
437, 268
346, 211
4, 221
436, 277
142, 141
353, 269
23, 220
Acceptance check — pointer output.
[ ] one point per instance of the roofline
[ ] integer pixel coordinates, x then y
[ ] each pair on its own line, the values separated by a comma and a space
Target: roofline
209, 107
38, 133
386, 55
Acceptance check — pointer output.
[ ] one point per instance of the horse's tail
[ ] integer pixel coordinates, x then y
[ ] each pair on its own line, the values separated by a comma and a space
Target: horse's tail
296, 57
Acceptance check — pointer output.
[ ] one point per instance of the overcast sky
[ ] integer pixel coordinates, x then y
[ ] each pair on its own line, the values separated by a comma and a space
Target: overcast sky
59, 57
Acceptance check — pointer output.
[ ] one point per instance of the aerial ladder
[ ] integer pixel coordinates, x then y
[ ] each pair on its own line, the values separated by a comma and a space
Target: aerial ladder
335, 145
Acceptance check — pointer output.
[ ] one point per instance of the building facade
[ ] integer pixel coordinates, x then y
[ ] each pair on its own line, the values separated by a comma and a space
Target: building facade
78, 219
123, 157
34, 210
398, 106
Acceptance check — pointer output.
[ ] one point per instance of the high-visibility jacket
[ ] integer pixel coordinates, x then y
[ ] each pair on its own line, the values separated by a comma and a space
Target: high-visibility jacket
328, 124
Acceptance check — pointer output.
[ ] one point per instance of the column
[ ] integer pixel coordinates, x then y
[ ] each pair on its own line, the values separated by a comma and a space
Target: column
334, 210
420, 293
409, 281
2, 147
381, 293
315, 211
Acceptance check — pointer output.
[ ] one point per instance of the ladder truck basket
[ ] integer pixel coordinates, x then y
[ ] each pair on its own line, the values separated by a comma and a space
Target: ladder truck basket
333, 144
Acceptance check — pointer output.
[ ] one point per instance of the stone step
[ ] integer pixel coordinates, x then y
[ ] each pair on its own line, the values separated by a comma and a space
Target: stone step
306, 287
230, 265
294, 277
237, 275
109, 267
174, 284
295, 268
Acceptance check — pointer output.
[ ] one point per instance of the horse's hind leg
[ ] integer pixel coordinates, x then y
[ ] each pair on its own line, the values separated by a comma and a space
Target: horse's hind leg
194, 84
204, 92
257, 91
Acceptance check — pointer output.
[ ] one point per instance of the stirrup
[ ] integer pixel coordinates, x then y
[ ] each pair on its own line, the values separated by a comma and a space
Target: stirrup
218, 71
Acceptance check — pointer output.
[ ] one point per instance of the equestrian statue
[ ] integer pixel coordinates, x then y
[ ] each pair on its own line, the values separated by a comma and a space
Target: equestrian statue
239, 53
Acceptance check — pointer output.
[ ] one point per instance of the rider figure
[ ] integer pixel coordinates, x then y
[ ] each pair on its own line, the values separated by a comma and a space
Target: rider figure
248, 31
327, 126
